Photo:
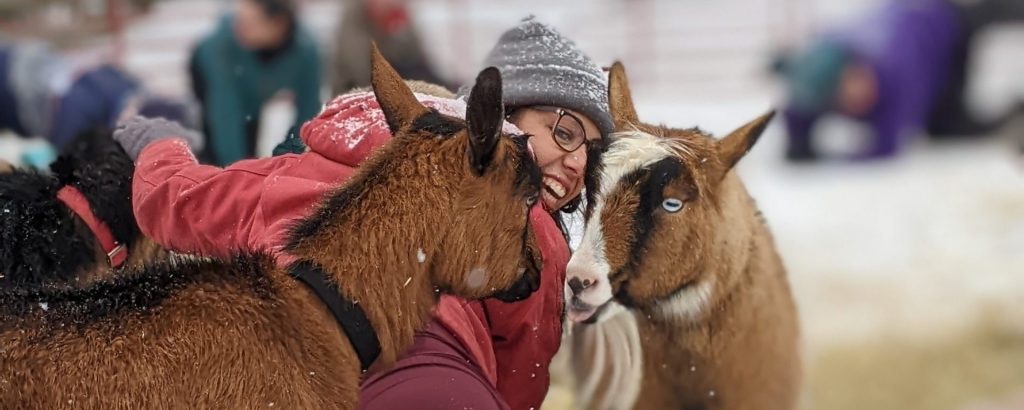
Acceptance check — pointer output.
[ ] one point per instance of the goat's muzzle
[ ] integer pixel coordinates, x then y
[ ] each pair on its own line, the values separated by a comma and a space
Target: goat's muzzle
528, 281
579, 311
521, 289
587, 290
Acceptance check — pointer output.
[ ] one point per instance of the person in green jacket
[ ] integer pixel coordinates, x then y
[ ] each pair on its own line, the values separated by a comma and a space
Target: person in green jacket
255, 53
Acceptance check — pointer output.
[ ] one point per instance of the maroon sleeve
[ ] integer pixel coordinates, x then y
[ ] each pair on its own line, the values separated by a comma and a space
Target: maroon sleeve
436, 373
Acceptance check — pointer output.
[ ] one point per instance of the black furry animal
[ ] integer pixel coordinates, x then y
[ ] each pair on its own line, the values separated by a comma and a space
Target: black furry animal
42, 242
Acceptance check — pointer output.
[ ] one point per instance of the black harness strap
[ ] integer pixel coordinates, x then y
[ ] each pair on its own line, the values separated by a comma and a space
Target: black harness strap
347, 313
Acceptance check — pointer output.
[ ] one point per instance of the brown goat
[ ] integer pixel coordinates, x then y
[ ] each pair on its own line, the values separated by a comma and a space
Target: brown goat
673, 235
441, 208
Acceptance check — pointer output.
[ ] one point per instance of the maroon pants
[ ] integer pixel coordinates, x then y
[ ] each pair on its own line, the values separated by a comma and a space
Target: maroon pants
435, 373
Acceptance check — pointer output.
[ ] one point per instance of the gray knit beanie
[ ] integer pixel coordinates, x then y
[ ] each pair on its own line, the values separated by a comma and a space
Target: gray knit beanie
540, 67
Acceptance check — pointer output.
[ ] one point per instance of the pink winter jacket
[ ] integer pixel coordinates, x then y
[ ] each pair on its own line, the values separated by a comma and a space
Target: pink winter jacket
251, 204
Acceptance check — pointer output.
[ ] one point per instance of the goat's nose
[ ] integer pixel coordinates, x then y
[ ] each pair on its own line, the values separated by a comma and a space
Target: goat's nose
577, 285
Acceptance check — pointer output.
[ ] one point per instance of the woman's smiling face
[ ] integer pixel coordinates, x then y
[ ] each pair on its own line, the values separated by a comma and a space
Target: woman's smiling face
559, 138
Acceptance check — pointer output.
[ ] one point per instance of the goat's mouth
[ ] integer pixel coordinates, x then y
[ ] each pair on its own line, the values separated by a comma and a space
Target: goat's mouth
579, 311
521, 289
597, 313
528, 281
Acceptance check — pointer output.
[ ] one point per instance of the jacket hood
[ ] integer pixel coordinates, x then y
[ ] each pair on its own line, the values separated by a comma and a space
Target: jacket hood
351, 126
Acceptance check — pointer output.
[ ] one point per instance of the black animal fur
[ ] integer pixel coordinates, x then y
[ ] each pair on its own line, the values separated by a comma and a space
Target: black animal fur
591, 179
651, 181
41, 241
136, 292
436, 124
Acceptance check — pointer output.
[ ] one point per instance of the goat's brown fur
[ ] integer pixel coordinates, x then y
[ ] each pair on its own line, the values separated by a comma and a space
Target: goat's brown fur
414, 220
716, 317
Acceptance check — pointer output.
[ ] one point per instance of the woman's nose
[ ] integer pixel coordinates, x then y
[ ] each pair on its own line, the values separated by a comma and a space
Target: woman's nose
576, 161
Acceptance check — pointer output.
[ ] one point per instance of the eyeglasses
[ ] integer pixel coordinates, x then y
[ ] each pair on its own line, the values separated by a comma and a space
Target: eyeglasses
567, 131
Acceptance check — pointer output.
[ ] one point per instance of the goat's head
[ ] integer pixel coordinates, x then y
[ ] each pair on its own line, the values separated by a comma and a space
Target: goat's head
653, 222
482, 245
44, 243
103, 172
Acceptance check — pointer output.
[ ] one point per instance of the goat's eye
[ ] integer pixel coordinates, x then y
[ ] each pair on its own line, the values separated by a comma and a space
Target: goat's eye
532, 199
672, 205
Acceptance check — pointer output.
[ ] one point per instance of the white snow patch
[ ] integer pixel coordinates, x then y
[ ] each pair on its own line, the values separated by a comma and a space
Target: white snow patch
476, 278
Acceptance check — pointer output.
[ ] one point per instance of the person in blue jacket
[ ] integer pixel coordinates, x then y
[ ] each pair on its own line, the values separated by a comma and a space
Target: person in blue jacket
44, 95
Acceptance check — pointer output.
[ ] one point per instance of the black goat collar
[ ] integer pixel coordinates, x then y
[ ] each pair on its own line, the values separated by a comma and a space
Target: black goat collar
347, 313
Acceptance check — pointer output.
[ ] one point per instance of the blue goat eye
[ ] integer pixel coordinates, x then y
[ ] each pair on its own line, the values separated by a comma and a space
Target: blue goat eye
672, 205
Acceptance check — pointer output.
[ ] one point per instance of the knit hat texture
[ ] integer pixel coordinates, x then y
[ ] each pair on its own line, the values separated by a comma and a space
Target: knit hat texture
541, 67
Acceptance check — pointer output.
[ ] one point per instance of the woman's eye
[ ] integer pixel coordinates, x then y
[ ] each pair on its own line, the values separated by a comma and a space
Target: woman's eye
563, 135
672, 205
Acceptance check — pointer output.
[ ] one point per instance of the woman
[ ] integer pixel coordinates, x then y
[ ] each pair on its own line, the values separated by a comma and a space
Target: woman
481, 355
254, 54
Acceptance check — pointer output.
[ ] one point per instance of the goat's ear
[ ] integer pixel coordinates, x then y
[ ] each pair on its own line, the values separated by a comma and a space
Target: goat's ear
484, 116
620, 100
735, 145
400, 106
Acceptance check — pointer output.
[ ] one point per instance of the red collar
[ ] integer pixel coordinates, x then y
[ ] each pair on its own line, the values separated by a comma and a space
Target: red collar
73, 198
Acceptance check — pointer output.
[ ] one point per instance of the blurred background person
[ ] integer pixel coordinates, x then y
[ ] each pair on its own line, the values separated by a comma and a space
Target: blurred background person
386, 22
901, 69
44, 95
254, 54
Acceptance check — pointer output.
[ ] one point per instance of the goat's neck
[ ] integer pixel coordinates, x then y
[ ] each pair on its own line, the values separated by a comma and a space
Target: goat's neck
378, 245
692, 347
730, 279
706, 351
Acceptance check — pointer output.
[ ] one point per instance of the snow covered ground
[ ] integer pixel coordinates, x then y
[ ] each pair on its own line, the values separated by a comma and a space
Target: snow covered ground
915, 248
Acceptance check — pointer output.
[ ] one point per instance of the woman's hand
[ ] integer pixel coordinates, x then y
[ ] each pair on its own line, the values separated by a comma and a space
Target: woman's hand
135, 133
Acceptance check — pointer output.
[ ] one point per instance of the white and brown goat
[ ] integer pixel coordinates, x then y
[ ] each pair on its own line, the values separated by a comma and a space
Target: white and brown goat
441, 208
672, 234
